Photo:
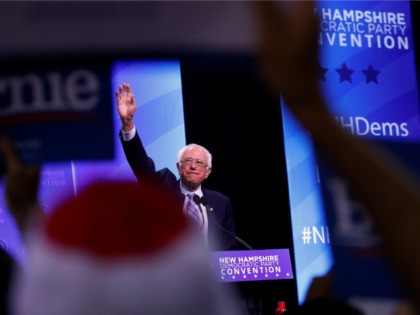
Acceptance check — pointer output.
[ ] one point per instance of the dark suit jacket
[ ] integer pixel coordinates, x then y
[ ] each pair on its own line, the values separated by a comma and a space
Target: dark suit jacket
219, 219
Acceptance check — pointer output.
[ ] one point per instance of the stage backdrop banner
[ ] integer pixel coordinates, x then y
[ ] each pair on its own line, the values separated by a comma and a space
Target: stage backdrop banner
251, 265
367, 71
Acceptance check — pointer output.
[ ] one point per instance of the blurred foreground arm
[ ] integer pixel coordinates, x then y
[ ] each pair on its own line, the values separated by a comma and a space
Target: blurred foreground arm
22, 184
289, 60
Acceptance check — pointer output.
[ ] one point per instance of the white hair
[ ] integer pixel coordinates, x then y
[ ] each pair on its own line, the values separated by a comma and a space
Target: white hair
182, 151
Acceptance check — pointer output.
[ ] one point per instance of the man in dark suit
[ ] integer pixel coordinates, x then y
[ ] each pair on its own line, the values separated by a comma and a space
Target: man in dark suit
194, 166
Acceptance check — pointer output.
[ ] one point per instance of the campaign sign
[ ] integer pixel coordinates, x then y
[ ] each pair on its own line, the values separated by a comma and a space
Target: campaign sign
57, 111
252, 265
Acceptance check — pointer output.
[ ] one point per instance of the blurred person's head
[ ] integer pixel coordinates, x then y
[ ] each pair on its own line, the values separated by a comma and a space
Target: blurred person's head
119, 249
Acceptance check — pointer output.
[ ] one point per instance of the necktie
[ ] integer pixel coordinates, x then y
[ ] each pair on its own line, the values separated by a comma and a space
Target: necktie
192, 208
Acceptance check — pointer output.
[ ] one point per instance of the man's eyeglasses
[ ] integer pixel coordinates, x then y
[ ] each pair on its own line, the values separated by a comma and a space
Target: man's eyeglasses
198, 163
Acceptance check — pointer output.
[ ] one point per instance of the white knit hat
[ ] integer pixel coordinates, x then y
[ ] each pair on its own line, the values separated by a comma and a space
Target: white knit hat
120, 249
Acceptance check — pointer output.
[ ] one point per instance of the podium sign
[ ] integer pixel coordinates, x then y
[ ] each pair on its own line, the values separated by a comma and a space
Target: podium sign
252, 265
